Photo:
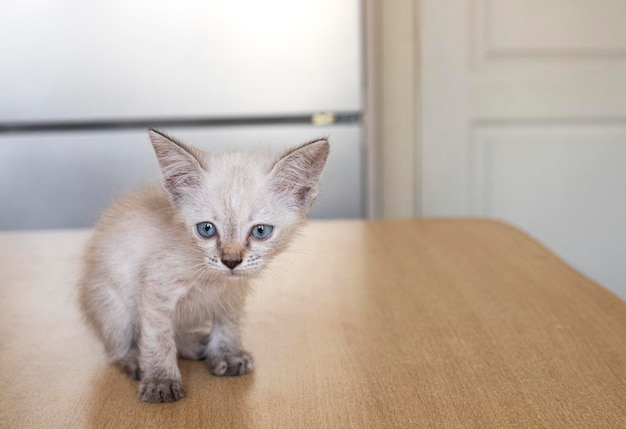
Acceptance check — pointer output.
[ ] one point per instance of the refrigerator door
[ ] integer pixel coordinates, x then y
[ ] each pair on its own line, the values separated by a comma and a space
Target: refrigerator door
65, 180
71, 60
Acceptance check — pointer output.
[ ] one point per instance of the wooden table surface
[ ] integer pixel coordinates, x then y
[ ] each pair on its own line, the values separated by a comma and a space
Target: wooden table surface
429, 323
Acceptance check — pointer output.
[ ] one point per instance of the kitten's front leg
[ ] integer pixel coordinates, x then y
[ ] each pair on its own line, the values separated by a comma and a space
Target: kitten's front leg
160, 376
224, 351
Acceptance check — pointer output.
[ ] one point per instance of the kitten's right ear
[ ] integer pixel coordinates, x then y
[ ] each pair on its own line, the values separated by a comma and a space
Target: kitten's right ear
180, 166
297, 173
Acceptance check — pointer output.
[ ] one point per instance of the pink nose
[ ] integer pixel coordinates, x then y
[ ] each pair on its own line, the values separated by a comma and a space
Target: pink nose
231, 263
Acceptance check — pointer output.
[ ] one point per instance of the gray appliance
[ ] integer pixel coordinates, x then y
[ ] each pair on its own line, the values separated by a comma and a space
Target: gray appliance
80, 82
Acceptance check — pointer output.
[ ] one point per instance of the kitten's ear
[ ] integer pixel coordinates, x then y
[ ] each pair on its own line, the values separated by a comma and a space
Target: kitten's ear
180, 165
297, 173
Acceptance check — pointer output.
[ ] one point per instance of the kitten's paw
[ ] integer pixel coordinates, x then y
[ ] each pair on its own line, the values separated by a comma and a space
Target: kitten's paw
130, 367
192, 346
235, 363
156, 391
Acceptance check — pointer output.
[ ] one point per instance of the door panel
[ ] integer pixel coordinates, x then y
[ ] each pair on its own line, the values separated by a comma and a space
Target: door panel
555, 27
561, 182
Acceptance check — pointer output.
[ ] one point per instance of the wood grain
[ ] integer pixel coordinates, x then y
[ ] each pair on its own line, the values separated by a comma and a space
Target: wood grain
432, 323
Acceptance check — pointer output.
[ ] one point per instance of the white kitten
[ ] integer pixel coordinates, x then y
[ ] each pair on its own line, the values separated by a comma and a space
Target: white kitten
168, 263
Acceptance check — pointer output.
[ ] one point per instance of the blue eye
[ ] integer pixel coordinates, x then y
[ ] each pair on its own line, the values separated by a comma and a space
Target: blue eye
261, 231
206, 229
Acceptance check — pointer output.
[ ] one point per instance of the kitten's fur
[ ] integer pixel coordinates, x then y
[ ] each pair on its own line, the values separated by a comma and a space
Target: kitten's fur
152, 287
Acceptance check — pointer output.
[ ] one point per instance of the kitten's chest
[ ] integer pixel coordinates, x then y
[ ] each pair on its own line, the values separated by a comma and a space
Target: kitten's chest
208, 299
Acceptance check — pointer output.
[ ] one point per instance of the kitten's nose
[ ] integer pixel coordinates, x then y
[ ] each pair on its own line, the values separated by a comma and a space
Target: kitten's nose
231, 263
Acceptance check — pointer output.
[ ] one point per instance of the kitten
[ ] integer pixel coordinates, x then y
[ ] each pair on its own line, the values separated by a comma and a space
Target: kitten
167, 263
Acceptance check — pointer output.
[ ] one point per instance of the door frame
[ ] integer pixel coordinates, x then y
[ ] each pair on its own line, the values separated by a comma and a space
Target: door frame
392, 100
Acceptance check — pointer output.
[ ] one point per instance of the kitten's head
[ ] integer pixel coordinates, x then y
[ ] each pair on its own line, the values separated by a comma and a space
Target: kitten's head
241, 208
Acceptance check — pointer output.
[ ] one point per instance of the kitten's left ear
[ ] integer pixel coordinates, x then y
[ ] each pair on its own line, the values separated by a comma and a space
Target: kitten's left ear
297, 173
180, 165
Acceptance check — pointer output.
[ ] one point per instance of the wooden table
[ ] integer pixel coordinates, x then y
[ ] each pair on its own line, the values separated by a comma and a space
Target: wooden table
434, 323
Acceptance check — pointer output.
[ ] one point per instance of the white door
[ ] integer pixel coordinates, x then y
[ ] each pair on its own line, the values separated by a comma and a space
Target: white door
524, 119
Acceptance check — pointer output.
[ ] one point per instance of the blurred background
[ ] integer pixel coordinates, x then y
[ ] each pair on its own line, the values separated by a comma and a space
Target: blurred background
507, 109
83, 80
